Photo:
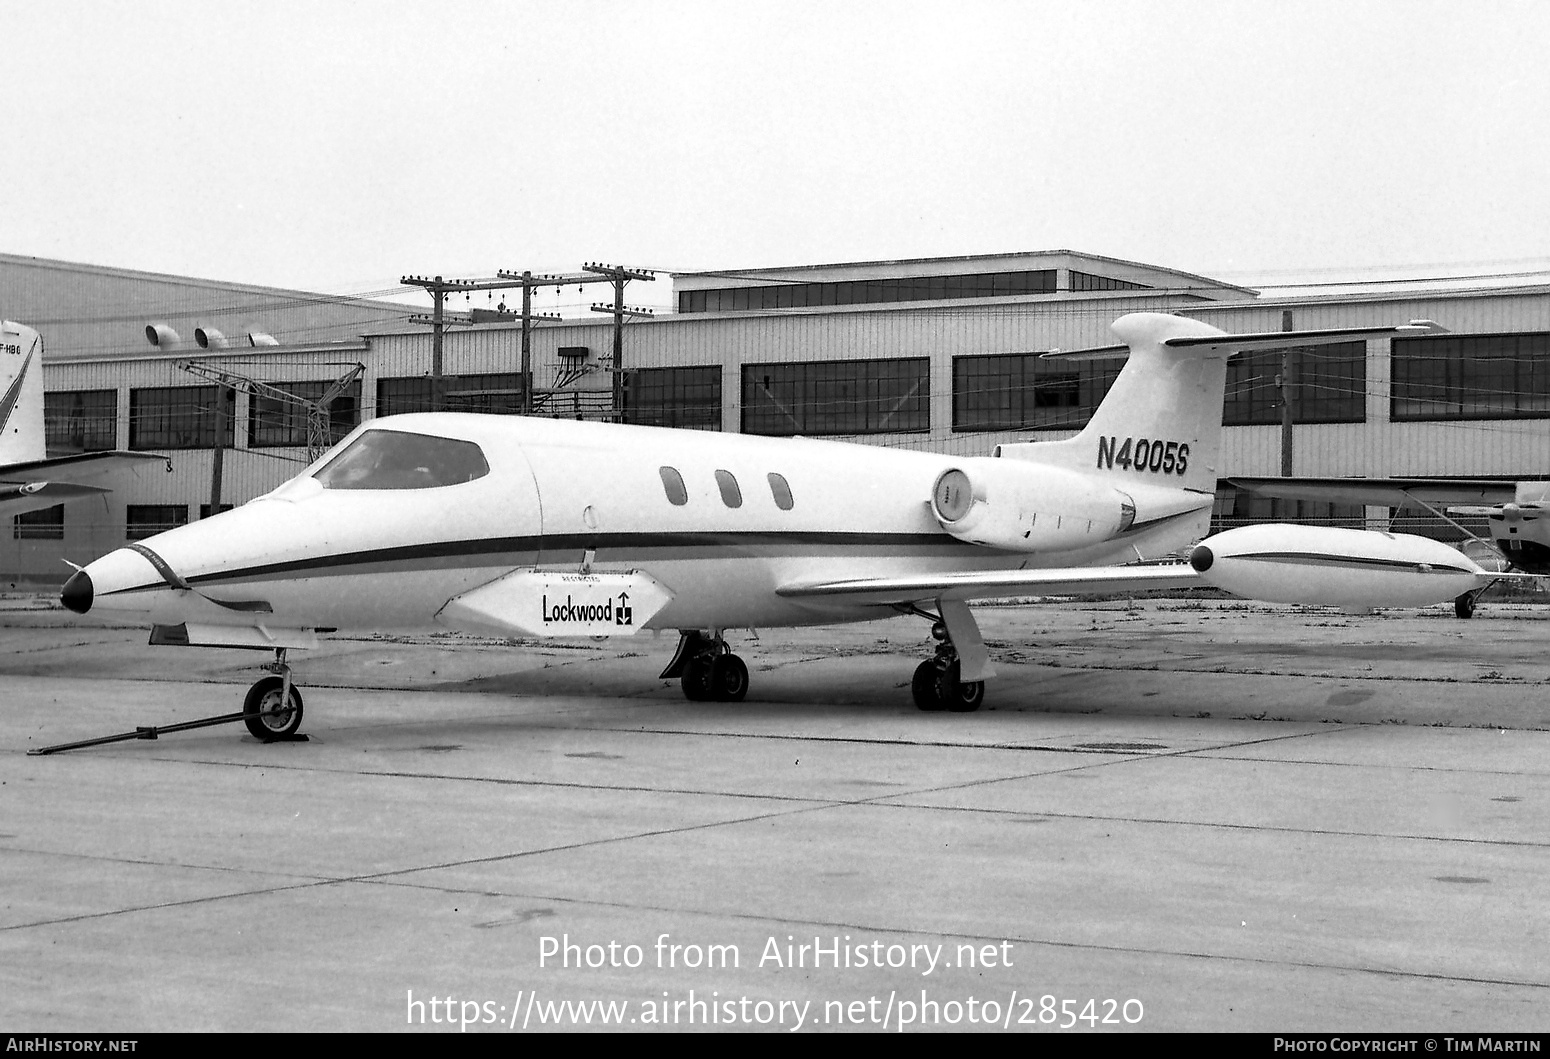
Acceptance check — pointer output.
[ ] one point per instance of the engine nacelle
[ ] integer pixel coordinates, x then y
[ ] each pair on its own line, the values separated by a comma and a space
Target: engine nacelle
1025, 507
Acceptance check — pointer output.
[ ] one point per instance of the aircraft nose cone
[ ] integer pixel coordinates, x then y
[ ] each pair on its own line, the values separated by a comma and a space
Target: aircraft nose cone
77, 593
1201, 558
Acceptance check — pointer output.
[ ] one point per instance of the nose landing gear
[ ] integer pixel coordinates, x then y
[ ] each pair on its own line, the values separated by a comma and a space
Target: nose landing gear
272, 709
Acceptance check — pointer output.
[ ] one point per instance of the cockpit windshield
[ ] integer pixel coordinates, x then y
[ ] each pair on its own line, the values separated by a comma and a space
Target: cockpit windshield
395, 459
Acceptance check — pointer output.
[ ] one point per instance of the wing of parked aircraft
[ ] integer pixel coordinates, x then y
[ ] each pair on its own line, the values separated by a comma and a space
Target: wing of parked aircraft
1382, 492
39, 484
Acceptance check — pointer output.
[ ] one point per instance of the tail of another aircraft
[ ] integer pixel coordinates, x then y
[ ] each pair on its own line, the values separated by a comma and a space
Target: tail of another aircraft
1161, 422
21, 394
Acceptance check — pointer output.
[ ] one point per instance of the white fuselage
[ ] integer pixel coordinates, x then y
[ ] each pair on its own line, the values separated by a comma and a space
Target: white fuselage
559, 495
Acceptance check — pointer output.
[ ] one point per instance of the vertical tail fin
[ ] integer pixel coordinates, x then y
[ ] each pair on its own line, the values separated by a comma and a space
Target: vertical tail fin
21, 394
1161, 421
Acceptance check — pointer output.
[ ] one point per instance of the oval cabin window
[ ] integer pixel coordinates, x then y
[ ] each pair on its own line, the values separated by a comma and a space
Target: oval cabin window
731, 495
781, 491
673, 483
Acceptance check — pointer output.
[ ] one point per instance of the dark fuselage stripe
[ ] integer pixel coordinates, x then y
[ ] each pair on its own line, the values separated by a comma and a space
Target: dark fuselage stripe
1357, 562
636, 547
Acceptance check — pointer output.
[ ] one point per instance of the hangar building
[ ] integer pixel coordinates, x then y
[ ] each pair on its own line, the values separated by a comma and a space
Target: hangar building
938, 354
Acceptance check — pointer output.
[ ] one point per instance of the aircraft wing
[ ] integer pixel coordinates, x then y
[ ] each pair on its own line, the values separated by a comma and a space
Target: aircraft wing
1382, 492
43, 483
1077, 581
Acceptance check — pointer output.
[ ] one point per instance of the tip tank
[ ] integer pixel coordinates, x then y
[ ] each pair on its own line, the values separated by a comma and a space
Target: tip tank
1335, 567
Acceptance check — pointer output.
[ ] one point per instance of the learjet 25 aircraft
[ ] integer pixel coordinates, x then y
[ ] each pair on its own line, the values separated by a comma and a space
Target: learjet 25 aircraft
529, 527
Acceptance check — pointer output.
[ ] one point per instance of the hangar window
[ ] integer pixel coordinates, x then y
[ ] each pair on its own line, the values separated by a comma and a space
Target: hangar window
493, 393
867, 291
45, 525
80, 421
780, 489
180, 417
1471, 377
274, 422
675, 397
1331, 386
1087, 281
1016, 391
673, 483
731, 495
396, 459
147, 520
838, 397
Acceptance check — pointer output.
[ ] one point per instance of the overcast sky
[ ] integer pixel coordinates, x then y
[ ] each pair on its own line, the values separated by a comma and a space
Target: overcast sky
336, 146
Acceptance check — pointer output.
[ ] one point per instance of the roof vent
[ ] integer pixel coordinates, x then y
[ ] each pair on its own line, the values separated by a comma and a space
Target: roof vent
162, 337
259, 338
209, 338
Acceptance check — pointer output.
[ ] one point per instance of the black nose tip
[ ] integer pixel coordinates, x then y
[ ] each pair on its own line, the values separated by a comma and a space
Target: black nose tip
1201, 559
77, 593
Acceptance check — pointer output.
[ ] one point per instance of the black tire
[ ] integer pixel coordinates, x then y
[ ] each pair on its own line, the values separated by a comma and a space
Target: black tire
728, 679
696, 680
265, 695
957, 695
923, 687
1464, 606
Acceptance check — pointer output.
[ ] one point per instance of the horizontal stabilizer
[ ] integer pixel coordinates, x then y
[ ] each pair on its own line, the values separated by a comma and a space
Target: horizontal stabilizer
1230, 344
1288, 339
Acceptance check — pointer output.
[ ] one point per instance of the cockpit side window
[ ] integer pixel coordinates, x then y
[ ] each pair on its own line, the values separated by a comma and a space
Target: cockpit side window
396, 459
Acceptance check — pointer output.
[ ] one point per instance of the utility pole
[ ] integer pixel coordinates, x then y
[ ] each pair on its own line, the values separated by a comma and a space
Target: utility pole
527, 342
438, 289
527, 281
1287, 383
219, 461
619, 275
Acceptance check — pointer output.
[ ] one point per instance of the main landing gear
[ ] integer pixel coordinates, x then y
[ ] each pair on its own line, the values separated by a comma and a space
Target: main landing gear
707, 669
939, 682
272, 709
938, 685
